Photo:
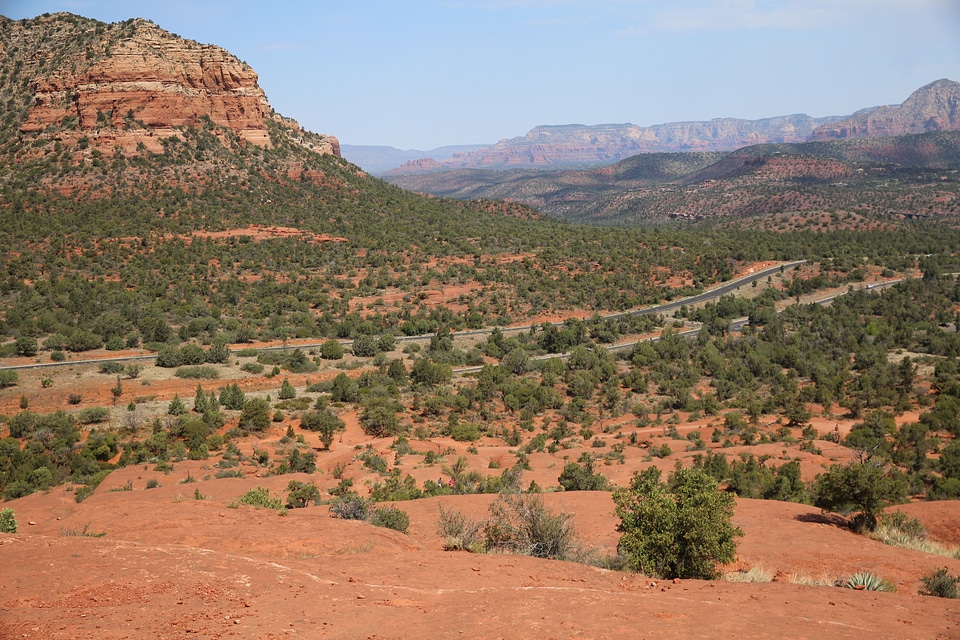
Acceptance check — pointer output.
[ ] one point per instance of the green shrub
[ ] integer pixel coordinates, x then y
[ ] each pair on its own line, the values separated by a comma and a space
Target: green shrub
8, 378
197, 373
391, 518
350, 506
940, 584
460, 532
465, 432
252, 367
8, 521
373, 462
682, 530
111, 368
295, 404
364, 346
93, 415
520, 523
26, 346
260, 497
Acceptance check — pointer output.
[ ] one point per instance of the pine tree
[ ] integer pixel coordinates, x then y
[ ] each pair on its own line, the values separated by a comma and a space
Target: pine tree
176, 407
200, 400
287, 391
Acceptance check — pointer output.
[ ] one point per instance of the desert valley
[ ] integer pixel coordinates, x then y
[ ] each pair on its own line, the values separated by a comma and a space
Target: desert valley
690, 380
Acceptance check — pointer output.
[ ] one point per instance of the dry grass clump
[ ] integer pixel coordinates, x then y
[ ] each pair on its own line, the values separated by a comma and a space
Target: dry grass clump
811, 581
897, 530
753, 574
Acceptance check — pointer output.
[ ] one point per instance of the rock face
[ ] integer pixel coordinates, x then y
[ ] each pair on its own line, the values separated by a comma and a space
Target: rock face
573, 145
934, 107
132, 84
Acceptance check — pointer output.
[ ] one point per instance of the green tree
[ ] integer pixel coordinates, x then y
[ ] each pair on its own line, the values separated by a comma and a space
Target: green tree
255, 415
575, 477
683, 530
176, 406
860, 487
232, 397
429, 373
286, 390
397, 371
26, 346
200, 400
324, 422
344, 389
331, 350
364, 346
379, 419
117, 390
300, 494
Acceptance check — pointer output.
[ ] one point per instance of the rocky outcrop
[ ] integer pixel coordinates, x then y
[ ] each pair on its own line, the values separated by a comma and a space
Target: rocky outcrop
133, 84
934, 107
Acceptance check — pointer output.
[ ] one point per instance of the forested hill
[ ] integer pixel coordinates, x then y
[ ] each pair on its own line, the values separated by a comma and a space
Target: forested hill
268, 232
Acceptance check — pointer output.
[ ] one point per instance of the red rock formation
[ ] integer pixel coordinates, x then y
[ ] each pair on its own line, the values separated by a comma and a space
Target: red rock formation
934, 107
148, 84
590, 145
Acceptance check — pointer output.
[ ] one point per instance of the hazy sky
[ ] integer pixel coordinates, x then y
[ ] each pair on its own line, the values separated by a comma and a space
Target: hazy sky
420, 74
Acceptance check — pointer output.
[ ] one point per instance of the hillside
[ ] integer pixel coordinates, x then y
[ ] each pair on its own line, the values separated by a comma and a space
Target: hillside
210, 347
888, 177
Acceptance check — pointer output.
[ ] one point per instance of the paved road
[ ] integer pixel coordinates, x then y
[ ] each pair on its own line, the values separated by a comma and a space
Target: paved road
710, 294
736, 325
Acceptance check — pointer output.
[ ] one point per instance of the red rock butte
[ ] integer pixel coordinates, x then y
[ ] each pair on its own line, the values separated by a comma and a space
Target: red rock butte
151, 83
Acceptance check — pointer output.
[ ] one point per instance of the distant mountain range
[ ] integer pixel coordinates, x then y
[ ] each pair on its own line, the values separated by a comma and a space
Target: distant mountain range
934, 107
914, 175
378, 160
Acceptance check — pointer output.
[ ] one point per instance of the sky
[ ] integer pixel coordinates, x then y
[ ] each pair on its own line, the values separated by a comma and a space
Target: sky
420, 74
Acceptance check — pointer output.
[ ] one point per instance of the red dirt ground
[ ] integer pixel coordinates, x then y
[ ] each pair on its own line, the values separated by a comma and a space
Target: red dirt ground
174, 567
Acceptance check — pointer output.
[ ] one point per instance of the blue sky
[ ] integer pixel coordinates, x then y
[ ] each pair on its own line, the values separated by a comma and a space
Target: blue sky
420, 74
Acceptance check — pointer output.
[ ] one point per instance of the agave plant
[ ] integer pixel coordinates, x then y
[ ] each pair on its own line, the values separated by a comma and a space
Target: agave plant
866, 581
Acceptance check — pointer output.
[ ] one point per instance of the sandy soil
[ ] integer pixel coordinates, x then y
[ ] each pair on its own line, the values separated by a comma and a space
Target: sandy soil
171, 566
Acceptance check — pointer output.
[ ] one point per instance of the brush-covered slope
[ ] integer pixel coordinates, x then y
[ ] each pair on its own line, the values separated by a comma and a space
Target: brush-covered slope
914, 175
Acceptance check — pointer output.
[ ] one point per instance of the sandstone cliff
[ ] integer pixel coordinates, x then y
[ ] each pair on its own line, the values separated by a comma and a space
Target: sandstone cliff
934, 107
127, 86
573, 145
